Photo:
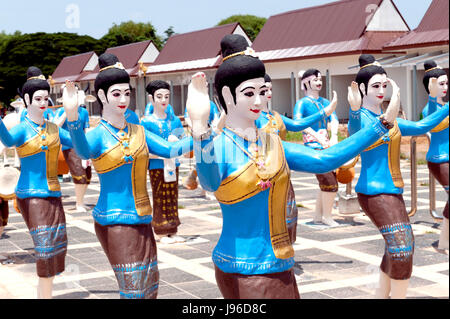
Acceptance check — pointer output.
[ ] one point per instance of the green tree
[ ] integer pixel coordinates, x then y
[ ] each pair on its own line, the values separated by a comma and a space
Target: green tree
44, 50
130, 32
169, 32
250, 23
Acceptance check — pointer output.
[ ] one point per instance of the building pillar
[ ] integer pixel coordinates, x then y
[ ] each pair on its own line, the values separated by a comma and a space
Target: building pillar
407, 107
183, 103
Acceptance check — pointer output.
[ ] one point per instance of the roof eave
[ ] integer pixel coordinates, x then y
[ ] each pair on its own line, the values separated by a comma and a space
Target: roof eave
327, 55
417, 45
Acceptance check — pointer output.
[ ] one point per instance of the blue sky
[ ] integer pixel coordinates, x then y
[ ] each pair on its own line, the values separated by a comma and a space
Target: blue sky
94, 17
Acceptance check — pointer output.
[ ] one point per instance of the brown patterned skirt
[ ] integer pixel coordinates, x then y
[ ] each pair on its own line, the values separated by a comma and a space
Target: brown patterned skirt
46, 221
388, 213
328, 182
131, 251
4, 212
165, 203
267, 286
79, 174
440, 172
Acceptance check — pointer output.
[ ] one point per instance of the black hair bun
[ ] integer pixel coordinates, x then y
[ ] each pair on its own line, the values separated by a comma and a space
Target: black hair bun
107, 59
33, 71
233, 43
366, 59
429, 64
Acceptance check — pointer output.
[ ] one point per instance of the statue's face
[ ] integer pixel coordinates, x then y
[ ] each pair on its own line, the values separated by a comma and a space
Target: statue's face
161, 98
316, 83
443, 86
376, 90
118, 98
269, 91
249, 98
39, 102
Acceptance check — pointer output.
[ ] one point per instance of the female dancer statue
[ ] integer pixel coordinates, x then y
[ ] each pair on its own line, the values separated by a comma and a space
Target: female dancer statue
38, 191
248, 170
437, 155
380, 184
316, 137
164, 172
119, 151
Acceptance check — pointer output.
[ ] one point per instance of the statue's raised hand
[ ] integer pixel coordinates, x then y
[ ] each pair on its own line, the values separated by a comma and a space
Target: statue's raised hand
332, 106
70, 101
433, 87
354, 97
198, 105
394, 105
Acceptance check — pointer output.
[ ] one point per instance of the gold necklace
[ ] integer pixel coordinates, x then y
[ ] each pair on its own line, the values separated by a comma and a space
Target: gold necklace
124, 140
241, 136
40, 132
258, 158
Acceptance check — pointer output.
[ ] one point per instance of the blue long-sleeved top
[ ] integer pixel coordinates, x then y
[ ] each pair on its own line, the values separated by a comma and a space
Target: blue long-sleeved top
438, 150
116, 203
292, 125
149, 110
308, 106
376, 176
131, 117
171, 125
245, 246
33, 169
83, 115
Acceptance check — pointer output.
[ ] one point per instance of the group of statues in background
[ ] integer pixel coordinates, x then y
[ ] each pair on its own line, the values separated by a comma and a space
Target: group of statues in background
241, 155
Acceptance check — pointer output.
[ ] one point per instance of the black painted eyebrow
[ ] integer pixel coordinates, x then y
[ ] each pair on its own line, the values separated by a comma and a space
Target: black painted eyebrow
248, 87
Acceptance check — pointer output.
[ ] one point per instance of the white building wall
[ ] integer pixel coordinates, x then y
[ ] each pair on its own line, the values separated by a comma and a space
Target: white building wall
385, 18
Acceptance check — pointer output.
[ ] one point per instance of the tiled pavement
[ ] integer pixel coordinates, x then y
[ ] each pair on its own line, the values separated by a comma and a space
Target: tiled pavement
331, 263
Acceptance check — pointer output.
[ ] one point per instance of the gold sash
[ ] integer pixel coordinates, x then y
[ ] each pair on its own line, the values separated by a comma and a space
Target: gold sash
395, 137
441, 126
242, 185
34, 146
114, 157
272, 127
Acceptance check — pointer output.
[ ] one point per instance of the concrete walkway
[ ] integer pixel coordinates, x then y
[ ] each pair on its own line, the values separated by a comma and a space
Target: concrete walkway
331, 263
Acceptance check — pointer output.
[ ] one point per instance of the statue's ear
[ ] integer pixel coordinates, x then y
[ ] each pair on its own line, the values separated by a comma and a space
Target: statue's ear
362, 88
150, 98
228, 97
26, 98
102, 96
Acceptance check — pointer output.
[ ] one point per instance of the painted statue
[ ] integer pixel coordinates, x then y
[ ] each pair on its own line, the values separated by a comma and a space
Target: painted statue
249, 169
316, 137
120, 152
437, 155
380, 184
38, 192
164, 173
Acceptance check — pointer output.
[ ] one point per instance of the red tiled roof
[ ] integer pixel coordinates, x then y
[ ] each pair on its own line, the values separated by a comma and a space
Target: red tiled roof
330, 23
370, 42
70, 67
432, 30
128, 55
197, 45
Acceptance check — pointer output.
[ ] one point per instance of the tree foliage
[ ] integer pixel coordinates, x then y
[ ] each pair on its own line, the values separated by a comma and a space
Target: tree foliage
250, 23
130, 32
44, 50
